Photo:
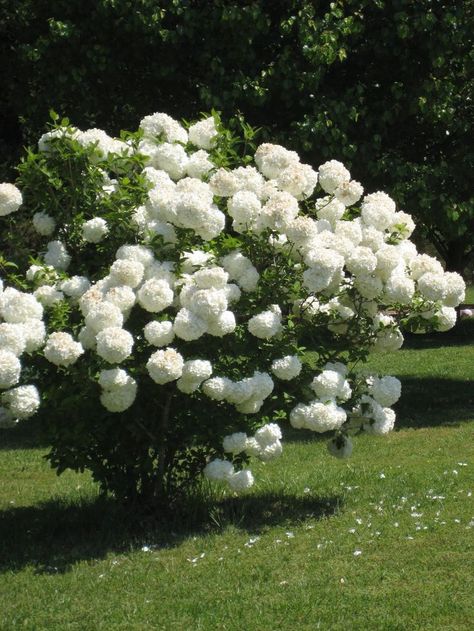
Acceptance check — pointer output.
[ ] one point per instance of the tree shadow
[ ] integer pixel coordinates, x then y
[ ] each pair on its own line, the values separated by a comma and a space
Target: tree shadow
425, 402
460, 335
53, 536
431, 402
26, 435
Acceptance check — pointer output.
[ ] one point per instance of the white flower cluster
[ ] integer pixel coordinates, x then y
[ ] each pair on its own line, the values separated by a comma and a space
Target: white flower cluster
324, 413
103, 144
10, 199
61, 349
265, 444
177, 303
22, 330
118, 389
223, 470
380, 419
94, 230
247, 395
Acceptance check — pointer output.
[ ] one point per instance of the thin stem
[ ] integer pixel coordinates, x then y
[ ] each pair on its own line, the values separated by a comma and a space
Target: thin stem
159, 484
147, 431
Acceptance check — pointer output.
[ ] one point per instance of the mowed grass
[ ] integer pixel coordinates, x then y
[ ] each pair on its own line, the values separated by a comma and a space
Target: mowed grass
469, 294
382, 541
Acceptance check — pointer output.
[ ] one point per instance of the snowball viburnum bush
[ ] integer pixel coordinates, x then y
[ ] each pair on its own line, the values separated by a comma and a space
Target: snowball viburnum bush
186, 299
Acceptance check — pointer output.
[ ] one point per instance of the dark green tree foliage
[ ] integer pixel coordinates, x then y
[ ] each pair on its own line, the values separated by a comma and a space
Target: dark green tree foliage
384, 85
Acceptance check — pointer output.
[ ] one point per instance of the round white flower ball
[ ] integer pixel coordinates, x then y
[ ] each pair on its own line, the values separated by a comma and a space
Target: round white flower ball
203, 134
235, 443
171, 158
94, 230
270, 452
127, 272
446, 317
287, 367
333, 174
57, 255
268, 434
10, 369
12, 338
188, 326
221, 325
388, 341
35, 333
399, 288
329, 209
61, 349
119, 399
432, 286
138, 253
159, 333
122, 297
44, 224
165, 365
218, 469
113, 378
386, 390
87, 337
362, 261
383, 422
455, 289
265, 325
22, 401
114, 344
378, 210
10, 199
241, 480
155, 295
423, 263
103, 315
403, 224
75, 286
331, 384
217, 388
160, 125
199, 164
244, 208
349, 193
197, 370
17, 306
48, 295
272, 159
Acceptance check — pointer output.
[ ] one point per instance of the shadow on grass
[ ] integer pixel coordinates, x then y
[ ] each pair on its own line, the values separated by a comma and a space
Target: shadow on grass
425, 402
460, 335
431, 402
25, 435
53, 536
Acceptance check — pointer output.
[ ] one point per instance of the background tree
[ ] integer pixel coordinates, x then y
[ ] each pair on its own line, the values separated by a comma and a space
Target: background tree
385, 85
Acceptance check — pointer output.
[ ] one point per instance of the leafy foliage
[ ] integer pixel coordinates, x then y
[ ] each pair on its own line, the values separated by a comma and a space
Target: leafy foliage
385, 86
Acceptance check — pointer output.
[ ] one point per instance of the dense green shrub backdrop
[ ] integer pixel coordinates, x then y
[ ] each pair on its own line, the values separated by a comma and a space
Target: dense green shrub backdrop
387, 86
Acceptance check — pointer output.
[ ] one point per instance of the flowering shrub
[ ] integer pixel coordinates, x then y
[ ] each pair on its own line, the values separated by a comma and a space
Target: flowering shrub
185, 298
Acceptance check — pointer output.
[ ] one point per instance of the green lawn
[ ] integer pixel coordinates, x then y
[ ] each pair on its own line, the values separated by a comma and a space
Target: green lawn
469, 294
382, 541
